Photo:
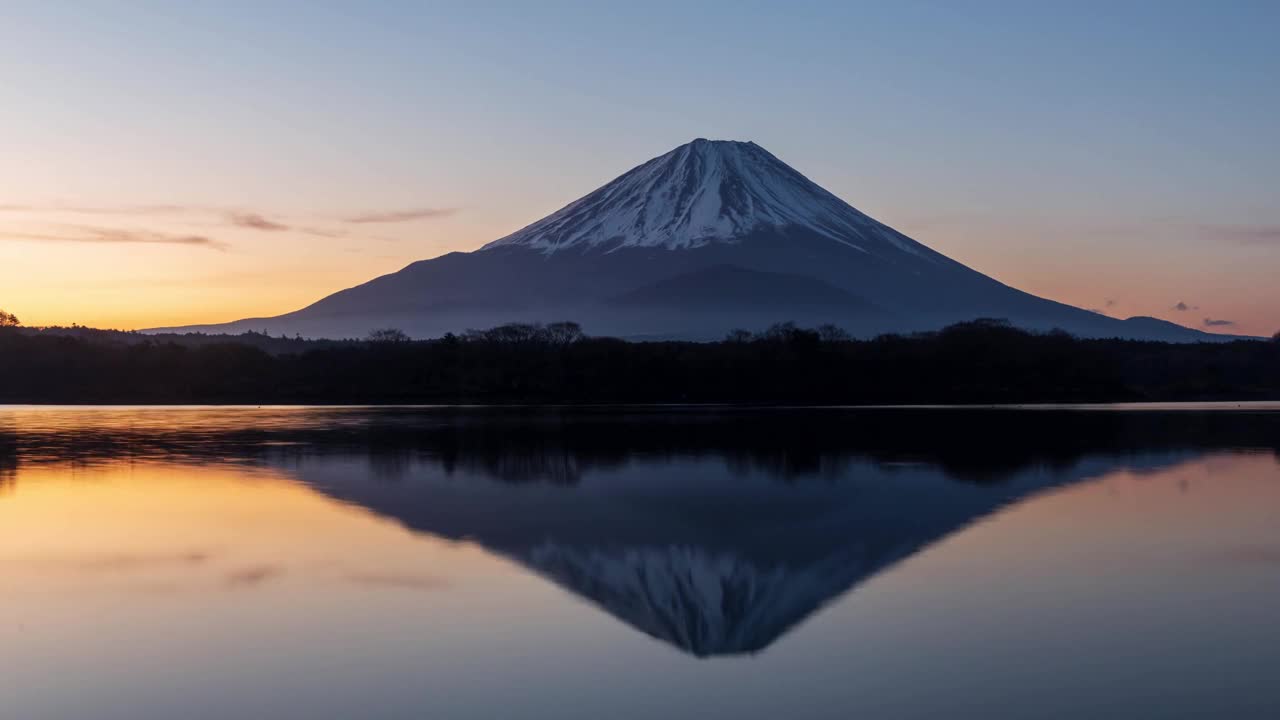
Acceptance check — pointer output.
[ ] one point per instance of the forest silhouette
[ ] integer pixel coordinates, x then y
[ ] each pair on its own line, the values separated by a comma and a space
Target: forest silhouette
984, 361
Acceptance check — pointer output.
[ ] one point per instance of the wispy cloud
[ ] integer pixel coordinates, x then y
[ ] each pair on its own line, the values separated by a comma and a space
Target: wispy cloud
252, 576
395, 216
1250, 555
103, 209
198, 215
1263, 233
255, 221
1243, 234
320, 232
103, 235
1210, 322
126, 561
1183, 307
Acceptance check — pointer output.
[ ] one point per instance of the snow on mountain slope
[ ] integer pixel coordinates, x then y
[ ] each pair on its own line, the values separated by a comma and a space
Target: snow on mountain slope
705, 192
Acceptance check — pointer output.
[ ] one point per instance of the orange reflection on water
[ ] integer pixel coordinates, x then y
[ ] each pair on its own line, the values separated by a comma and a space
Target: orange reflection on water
152, 587
171, 528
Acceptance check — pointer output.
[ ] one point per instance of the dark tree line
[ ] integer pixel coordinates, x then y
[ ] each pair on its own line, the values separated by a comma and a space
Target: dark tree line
977, 362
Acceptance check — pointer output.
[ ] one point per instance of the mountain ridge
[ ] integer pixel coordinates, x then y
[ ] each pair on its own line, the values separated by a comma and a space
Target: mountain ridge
706, 204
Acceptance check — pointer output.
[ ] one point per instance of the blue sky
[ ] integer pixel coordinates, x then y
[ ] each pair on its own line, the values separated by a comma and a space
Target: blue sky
1119, 156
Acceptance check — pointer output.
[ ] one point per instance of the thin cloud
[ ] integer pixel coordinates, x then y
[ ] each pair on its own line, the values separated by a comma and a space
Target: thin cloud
1210, 322
103, 210
1183, 307
252, 576
120, 562
1258, 234
101, 235
113, 236
395, 216
255, 221
319, 232
1112, 303
1243, 234
1250, 555
237, 217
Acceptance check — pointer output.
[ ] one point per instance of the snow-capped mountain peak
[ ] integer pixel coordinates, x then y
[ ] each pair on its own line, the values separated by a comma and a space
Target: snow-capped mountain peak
708, 237
703, 192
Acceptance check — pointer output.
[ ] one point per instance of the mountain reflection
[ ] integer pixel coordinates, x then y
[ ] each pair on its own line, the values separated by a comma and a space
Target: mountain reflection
684, 554
714, 531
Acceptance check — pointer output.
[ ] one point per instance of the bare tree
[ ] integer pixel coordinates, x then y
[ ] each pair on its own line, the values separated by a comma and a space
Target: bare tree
388, 335
780, 332
525, 333
564, 333
833, 333
514, 332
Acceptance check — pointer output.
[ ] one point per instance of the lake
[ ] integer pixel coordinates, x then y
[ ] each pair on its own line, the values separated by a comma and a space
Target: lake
219, 562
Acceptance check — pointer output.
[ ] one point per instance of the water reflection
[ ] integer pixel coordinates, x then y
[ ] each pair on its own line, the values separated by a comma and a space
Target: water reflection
719, 533
712, 562
527, 444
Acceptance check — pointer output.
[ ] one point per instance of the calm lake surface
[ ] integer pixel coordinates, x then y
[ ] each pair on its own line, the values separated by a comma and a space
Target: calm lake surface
647, 563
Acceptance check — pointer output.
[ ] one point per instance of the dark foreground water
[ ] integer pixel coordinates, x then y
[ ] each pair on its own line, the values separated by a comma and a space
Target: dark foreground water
467, 563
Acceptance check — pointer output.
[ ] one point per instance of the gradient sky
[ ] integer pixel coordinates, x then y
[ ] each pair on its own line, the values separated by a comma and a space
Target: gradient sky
168, 163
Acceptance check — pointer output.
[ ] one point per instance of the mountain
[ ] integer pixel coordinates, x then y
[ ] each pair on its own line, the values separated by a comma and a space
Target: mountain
710, 236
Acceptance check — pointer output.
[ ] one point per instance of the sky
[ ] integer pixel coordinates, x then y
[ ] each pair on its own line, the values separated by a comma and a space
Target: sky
171, 163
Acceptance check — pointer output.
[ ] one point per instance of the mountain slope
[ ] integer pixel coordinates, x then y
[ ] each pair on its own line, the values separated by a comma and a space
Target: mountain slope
631, 259
729, 287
